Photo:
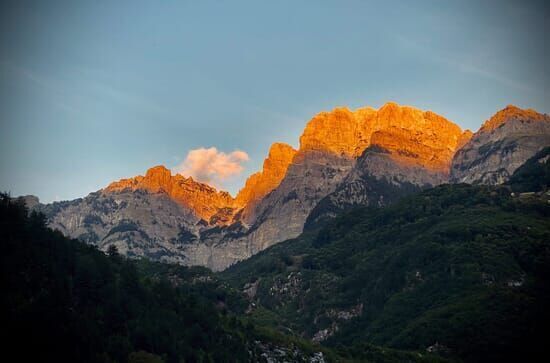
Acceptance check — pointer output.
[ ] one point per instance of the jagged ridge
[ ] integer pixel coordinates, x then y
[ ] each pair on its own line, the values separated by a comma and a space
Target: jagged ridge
408, 149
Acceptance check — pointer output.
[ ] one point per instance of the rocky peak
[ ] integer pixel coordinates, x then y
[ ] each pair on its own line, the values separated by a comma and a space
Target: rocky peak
409, 140
203, 199
464, 138
423, 138
335, 132
512, 113
402, 130
408, 149
346, 158
274, 169
158, 177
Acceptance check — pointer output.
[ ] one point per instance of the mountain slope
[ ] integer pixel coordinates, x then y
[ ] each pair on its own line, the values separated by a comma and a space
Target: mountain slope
534, 174
138, 222
458, 269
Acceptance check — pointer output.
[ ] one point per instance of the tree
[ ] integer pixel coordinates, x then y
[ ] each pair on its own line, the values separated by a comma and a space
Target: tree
112, 251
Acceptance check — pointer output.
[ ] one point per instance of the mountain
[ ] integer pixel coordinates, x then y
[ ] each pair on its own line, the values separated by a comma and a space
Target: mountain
382, 176
203, 200
501, 145
151, 215
329, 148
163, 216
346, 159
410, 150
457, 269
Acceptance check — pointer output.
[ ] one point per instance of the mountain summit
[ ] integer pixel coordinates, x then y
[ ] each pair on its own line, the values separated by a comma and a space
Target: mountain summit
502, 144
203, 199
274, 170
403, 129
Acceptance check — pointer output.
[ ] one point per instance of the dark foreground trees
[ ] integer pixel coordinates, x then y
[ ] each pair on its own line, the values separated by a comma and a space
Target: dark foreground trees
65, 301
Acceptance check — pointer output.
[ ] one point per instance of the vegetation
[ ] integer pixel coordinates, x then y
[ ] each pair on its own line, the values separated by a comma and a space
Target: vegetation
460, 270
68, 301
533, 175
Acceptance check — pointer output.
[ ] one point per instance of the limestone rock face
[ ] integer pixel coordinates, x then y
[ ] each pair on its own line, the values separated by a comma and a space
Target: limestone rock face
258, 185
173, 218
340, 132
204, 200
138, 222
417, 137
281, 214
403, 130
501, 145
278, 216
398, 162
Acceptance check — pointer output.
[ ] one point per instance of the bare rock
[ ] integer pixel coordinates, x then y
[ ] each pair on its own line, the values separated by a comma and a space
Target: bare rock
501, 145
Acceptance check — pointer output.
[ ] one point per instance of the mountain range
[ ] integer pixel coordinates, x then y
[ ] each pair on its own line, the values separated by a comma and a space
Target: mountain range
346, 159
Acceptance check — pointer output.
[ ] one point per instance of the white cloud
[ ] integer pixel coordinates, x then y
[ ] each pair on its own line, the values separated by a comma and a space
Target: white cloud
212, 166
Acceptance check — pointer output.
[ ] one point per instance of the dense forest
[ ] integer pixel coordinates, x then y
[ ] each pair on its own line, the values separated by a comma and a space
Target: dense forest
67, 301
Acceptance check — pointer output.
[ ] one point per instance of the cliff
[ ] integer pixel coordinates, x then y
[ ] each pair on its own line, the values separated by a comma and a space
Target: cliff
204, 200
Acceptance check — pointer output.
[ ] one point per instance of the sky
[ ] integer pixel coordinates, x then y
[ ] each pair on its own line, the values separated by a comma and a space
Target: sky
94, 91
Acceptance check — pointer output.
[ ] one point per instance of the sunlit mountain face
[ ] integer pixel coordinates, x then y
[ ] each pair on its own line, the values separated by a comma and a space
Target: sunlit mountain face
346, 159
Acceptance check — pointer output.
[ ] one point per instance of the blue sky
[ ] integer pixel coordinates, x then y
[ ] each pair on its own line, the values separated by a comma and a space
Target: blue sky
95, 91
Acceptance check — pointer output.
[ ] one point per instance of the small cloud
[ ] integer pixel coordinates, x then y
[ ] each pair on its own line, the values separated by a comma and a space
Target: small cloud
212, 166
